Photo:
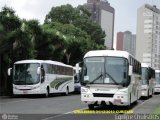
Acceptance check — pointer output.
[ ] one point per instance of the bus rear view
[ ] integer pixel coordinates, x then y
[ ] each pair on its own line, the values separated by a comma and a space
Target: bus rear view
157, 86
148, 81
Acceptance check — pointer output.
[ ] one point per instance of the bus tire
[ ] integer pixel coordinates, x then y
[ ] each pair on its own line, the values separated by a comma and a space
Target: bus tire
91, 106
152, 93
67, 91
129, 105
47, 92
148, 94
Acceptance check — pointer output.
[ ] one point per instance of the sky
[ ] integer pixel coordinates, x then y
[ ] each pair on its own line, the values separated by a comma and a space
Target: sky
125, 10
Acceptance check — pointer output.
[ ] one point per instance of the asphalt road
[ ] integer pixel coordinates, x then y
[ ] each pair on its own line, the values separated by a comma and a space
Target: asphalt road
63, 108
147, 106
38, 105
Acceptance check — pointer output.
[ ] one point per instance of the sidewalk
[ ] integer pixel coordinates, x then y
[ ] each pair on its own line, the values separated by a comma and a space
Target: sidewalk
148, 106
2, 97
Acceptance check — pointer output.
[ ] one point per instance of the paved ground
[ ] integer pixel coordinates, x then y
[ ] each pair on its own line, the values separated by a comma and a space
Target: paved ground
63, 108
38, 105
148, 105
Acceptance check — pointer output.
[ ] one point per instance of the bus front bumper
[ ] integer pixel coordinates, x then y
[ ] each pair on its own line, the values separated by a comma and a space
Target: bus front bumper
119, 101
157, 89
27, 91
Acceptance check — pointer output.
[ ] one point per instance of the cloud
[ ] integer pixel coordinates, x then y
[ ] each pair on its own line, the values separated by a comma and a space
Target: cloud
36, 9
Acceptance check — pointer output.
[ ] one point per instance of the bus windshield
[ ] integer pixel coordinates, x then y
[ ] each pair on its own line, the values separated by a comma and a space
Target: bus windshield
26, 74
105, 70
158, 78
144, 76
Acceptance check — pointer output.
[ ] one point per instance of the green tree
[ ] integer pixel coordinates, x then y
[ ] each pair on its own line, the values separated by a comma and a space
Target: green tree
79, 17
22, 46
64, 14
78, 29
35, 32
72, 38
15, 44
51, 43
93, 29
8, 22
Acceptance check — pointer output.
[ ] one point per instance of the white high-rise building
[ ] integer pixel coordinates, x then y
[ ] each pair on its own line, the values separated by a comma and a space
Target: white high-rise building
103, 13
129, 41
148, 35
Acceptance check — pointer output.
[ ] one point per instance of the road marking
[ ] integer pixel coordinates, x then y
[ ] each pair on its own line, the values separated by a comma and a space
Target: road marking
62, 114
81, 109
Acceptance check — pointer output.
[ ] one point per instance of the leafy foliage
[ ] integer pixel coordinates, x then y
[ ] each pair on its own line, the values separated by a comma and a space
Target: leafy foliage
66, 35
80, 18
72, 37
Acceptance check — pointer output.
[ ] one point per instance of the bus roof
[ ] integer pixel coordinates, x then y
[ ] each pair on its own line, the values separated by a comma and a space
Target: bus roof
28, 61
144, 65
157, 71
115, 53
42, 61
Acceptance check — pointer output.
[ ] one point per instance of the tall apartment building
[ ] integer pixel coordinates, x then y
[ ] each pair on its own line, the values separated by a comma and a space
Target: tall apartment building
103, 13
119, 41
126, 41
148, 35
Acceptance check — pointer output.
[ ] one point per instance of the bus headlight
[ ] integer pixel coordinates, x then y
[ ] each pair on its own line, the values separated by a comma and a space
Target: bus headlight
15, 87
35, 87
120, 96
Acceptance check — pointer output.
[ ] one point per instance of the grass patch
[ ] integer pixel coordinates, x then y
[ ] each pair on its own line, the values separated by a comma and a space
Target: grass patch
156, 110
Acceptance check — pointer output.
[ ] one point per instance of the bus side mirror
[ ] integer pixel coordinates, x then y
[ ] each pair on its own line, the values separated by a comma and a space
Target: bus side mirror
38, 70
9, 71
130, 70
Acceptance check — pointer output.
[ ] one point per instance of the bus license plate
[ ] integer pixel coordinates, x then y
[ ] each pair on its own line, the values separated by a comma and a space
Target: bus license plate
25, 92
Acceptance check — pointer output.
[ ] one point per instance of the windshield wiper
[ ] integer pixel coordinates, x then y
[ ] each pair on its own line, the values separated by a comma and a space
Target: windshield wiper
29, 83
112, 78
96, 78
18, 81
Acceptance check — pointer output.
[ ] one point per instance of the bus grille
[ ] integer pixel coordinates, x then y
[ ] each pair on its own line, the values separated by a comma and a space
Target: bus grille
102, 95
24, 89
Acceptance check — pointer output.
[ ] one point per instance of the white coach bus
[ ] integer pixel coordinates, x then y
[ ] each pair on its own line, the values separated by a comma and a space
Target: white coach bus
148, 80
157, 86
42, 77
110, 78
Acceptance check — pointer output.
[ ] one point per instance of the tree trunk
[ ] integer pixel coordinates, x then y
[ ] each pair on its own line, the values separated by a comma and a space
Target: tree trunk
68, 57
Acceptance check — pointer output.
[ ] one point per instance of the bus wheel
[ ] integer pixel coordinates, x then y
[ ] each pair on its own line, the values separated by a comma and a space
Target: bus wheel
91, 106
148, 94
47, 92
67, 91
152, 93
129, 105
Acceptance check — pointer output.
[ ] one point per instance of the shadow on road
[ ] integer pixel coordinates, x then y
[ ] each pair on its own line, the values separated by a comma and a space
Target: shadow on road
113, 107
38, 96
